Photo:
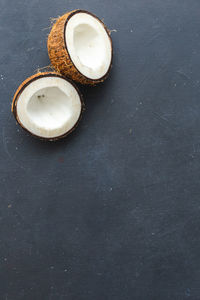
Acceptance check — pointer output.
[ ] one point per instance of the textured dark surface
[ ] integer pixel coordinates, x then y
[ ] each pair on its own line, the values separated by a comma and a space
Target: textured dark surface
113, 211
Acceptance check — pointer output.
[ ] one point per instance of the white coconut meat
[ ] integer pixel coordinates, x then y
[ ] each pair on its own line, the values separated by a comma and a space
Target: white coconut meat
88, 45
49, 107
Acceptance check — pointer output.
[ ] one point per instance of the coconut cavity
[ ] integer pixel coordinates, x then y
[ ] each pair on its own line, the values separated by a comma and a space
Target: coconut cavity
48, 107
89, 45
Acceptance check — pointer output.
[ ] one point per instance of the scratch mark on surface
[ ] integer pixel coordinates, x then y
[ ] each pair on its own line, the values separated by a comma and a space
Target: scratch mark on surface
50, 296
142, 81
63, 296
5, 143
153, 38
163, 121
160, 117
30, 250
4, 140
150, 76
168, 232
183, 74
145, 187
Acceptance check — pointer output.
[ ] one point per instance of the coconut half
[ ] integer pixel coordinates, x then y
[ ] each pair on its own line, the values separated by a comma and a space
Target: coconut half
48, 106
80, 47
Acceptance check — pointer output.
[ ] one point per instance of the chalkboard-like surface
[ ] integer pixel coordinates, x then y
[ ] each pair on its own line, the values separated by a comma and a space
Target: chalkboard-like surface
113, 211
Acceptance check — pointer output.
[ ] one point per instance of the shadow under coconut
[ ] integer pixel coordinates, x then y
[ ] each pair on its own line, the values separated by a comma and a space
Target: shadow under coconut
51, 146
95, 96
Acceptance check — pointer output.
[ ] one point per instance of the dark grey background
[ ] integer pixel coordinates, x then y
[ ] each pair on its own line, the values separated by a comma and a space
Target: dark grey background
113, 211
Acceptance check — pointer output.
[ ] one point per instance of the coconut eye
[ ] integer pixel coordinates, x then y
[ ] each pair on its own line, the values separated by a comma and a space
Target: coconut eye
80, 47
47, 105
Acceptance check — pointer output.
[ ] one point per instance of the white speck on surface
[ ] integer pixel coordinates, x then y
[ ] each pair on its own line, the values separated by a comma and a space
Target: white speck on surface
16, 148
111, 189
65, 270
30, 49
113, 30
2, 78
131, 30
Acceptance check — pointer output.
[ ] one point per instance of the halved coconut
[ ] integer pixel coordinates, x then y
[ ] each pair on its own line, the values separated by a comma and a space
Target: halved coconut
80, 47
47, 105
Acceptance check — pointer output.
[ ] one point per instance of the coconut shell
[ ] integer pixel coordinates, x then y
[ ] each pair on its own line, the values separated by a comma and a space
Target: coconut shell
59, 55
24, 84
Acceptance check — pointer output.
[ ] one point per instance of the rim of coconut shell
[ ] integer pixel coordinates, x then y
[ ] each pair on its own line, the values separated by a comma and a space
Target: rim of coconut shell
35, 77
101, 79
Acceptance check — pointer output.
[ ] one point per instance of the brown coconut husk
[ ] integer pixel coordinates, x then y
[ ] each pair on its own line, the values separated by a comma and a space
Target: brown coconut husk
24, 84
59, 55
